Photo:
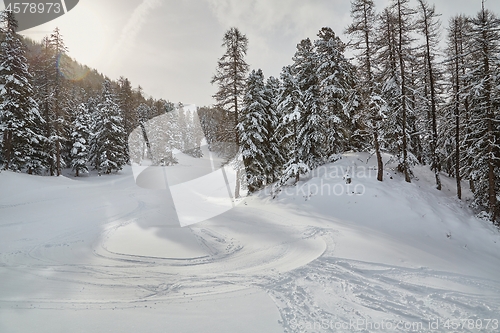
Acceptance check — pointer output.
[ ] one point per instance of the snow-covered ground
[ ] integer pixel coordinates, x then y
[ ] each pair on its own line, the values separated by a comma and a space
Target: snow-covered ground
100, 254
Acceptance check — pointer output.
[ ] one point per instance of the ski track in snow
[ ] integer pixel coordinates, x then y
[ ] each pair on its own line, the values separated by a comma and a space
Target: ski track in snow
290, 257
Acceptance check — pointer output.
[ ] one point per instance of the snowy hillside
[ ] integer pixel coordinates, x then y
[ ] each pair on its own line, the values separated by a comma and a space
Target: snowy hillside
100, 254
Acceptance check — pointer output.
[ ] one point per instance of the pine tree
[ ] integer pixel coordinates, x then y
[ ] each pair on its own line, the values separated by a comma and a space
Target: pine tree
231, 80
483, 84
311, 134
108, 151
143, 113
182, 125
170, 132
59, 136
73, 98
336, 82
231, 73
214, 122
194, 135
80, 140
275, 157
43, 80
20, 119
290, 107
36, 159
253, 131
126, 103
160, 135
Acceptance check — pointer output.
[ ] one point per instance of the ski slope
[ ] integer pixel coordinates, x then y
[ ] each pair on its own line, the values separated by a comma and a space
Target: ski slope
100, 254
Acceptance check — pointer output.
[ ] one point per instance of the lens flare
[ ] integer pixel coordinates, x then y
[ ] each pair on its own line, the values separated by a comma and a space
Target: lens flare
70, 69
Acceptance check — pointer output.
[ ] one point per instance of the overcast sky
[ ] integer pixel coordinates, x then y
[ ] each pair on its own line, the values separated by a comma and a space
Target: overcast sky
170, 47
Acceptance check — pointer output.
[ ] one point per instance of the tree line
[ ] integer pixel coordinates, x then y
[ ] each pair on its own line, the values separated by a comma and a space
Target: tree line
405, 93
56, 113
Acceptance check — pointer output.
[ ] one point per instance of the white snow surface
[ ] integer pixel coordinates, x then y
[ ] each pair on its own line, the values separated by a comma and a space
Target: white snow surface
100, 254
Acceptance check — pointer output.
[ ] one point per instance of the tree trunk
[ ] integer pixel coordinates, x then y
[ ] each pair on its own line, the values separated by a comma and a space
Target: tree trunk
380, 162
433, 144
376, 143
457, 117
403, 94
7, 146
492, 198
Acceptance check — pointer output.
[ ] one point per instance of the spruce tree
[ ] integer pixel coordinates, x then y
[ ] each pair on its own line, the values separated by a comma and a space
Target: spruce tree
336, 81
290, 107
108, 151
194, 135
253, 131
20, 119
43, 80
182, 125
311, 133
80, 140
126, 103
60, 118
143, 113
275, 158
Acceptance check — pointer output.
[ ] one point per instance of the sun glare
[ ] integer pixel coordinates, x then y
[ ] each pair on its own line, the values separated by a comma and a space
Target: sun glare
84, 31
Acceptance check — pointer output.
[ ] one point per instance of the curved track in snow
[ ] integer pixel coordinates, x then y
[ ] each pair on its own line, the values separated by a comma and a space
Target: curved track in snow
104, 245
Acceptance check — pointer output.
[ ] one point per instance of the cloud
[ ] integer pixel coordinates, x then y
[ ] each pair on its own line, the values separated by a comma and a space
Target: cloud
133, 27
275, 27
292, 17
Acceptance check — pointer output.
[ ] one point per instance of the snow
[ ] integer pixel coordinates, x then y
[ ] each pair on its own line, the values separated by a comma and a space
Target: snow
154, 242
101, 254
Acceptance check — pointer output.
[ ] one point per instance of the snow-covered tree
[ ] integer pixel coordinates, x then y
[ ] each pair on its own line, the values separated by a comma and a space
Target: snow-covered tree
194, 135
362, 30
60, 118
394, 42
253, 131
429, 27
182, 125
483, 85
43, 79
336, 82
80, 140
455, 113
20, 119
108, 146
275, 158
311, 134
143, 113
290, 106
231, 73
